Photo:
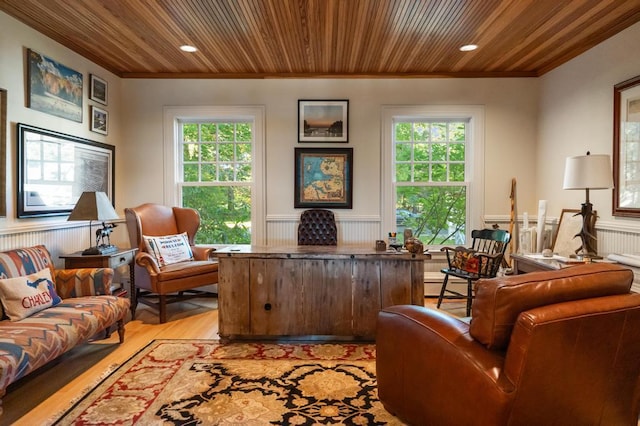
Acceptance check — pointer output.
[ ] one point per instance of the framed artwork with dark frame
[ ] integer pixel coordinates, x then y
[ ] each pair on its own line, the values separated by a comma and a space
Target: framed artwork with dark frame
98, 89
3, 152
99, 120
323, 121
323, 178
626, 140
54, 169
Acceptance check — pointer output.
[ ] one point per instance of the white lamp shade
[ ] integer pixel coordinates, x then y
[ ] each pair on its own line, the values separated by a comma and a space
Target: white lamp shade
588, 172
93, 206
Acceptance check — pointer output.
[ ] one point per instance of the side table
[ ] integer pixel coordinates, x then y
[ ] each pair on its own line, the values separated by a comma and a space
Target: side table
523, 264
125, 256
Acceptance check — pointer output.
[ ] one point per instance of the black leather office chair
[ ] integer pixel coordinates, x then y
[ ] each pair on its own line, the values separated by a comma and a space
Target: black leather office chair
317, 228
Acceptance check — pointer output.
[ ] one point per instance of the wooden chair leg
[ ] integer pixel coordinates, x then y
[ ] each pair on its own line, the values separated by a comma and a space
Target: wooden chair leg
120, 329
442, 290
162, 308
469, 296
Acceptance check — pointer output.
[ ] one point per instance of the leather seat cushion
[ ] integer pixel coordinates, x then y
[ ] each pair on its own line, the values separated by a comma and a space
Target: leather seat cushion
499, 301
186, 269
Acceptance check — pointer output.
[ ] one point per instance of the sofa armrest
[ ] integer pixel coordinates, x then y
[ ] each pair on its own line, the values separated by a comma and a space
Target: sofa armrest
428, 367
81, 282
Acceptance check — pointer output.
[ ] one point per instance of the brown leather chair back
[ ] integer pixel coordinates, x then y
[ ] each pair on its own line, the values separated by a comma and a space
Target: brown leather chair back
157, 220
317, 228
557, 347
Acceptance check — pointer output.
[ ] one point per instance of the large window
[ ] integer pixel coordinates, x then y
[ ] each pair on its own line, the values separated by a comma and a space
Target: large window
217, 167
433, 167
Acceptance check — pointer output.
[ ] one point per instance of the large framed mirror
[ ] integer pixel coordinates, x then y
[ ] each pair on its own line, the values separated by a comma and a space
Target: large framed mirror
54, 169
626, 148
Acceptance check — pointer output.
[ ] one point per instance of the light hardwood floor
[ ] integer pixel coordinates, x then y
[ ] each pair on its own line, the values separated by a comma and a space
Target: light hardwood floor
39, 396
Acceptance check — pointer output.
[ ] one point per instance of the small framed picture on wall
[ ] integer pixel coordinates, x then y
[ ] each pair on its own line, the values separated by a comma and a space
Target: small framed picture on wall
99, 120
98, 90
323, 121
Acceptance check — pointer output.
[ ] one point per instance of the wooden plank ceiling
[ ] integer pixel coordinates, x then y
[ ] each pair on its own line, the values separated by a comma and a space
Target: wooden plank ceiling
326, 38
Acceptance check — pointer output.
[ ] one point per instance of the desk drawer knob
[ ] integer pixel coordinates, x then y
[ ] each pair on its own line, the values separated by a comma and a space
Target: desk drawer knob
267, 306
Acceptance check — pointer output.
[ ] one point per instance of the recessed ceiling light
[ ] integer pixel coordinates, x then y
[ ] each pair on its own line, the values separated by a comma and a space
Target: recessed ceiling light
468, 47
187, 48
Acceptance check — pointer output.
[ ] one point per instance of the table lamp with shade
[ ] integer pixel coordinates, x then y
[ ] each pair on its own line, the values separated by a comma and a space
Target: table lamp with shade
588, 172
96, 206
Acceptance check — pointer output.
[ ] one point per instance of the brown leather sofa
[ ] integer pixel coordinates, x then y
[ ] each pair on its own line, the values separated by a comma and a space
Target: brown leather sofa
546, 348
157, 285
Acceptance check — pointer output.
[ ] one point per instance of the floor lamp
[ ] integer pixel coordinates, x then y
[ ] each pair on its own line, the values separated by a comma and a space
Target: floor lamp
588, 172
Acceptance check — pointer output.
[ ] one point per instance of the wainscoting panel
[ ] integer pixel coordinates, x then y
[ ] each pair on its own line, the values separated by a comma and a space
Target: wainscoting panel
63, 237
352, 230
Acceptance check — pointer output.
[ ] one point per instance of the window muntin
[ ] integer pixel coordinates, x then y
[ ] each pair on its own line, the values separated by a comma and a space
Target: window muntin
216, 159
430, 178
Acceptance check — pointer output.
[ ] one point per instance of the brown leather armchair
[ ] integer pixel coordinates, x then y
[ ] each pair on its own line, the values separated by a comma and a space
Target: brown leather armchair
176, 281
560, 347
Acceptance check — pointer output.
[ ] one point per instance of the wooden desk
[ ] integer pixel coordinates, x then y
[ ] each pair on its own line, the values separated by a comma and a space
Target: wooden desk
322, 292
523, 264
111, 260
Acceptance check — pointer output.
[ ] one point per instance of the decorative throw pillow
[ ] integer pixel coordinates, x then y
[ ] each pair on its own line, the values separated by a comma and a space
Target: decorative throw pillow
168, 249
24, 296
464, 260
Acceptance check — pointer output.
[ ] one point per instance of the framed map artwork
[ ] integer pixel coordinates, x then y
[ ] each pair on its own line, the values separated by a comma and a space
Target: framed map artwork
324, 178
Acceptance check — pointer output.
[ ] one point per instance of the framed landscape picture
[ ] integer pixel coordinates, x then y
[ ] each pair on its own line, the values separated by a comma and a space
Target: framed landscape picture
53, 88
99, 120
323, 178
323, 121
98, 90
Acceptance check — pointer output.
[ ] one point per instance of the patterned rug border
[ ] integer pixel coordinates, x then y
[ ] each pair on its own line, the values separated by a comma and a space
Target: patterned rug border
292, 351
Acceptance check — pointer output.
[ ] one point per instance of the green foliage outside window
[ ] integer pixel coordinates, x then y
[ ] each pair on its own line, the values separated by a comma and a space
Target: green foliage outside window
217, 176
431, 192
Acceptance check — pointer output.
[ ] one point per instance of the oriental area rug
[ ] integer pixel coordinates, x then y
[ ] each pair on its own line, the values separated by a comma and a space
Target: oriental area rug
189, 382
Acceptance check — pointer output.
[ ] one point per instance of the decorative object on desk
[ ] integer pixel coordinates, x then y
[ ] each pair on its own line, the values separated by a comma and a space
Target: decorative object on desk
413, 245
96, 206
407, 233
381, 245
626, 137
393, 241
588, 172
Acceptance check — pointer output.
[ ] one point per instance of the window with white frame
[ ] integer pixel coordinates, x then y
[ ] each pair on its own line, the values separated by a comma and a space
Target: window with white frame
217, 171
434, 171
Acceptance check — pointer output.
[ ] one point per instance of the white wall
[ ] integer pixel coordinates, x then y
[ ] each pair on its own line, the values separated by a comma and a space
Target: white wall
15, 39
511, 113
531, 124
576, 115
